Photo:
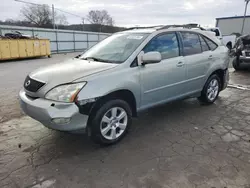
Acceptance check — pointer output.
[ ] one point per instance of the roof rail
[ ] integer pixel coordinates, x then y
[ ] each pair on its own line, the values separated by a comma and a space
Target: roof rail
149, 27
187, 26
160, 27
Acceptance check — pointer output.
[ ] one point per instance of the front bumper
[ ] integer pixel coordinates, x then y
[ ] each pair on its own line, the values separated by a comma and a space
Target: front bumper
45, 111
245, 56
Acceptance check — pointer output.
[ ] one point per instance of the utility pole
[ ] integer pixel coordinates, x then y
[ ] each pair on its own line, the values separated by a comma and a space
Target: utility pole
53, 16
244, 19
83, 22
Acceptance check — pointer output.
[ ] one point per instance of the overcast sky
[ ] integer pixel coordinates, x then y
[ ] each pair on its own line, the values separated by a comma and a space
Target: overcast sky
139, 12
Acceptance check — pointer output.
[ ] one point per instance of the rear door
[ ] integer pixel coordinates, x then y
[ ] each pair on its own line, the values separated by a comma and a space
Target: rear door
197, 57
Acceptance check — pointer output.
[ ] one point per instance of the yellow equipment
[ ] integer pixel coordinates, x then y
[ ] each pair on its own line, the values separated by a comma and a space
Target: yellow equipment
24, 48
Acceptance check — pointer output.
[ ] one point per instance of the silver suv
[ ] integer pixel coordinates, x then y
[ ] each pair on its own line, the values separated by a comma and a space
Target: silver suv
101, 90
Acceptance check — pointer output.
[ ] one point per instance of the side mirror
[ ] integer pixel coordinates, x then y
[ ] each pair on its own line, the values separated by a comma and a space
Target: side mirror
151, 57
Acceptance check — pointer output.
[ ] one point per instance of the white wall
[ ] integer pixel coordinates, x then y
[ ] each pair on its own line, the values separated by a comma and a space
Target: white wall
233, 25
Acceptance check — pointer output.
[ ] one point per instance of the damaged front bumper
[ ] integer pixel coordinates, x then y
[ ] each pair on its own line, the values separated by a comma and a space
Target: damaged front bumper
55, 115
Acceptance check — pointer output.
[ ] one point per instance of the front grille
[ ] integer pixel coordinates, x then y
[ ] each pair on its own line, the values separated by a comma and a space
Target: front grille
32, 85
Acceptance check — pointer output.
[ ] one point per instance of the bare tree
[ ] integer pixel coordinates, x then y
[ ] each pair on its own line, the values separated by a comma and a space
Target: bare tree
41, 15
38, 15
60, 19
100, 17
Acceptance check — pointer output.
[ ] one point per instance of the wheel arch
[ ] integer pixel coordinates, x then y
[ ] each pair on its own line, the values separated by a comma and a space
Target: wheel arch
123, 94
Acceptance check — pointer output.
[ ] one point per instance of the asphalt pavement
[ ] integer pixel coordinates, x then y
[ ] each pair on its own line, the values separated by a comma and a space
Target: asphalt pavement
12, 76
179, 145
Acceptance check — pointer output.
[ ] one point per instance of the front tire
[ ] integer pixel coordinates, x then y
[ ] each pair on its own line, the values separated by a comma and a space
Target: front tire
211, 90
111, 122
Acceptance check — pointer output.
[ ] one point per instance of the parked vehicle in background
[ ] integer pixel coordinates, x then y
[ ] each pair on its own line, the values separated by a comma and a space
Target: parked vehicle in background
241, 52
227, 40
18, 35
127, 72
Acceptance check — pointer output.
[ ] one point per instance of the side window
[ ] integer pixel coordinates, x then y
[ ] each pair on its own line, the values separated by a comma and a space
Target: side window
166, 44
134, 63
191, 43
204, 45
210, 43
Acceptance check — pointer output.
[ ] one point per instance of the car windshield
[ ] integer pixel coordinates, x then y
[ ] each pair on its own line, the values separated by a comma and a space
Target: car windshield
116, 48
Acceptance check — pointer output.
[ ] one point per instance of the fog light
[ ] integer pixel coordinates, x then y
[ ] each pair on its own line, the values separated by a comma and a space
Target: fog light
61, 120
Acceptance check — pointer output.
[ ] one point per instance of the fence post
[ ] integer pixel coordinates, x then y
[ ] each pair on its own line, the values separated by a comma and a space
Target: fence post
57, 46
33, 35
74, 41
87, 41
1, 31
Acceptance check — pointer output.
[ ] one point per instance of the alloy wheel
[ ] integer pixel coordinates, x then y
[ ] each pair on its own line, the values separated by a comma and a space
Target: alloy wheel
114, 123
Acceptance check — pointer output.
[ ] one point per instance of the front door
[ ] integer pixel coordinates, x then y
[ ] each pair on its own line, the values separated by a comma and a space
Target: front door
163, 81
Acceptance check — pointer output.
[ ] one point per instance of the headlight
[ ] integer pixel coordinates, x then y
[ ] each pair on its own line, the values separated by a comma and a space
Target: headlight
65, 93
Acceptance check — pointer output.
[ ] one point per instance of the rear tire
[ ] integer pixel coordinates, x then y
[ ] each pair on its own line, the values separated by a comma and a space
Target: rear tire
111, 122
210, 90
236, 64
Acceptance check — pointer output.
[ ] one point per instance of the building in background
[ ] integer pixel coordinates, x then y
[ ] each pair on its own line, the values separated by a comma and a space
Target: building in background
230, 25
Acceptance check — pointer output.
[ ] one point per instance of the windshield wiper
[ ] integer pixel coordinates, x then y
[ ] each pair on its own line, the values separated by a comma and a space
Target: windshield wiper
97, 59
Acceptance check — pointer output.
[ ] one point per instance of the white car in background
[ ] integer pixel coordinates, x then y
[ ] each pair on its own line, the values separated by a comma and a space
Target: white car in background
227, 40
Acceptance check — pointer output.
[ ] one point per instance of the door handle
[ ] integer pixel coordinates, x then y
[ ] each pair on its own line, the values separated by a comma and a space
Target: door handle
180, 64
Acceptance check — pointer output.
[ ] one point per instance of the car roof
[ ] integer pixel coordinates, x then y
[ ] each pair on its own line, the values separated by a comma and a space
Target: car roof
140, 31
156, 31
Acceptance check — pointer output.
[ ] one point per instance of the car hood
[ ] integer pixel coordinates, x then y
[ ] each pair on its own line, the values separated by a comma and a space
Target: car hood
69, 71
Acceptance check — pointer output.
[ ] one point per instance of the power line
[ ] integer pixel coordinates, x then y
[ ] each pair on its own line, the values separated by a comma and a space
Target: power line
28, 2
69, 13
51, 7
